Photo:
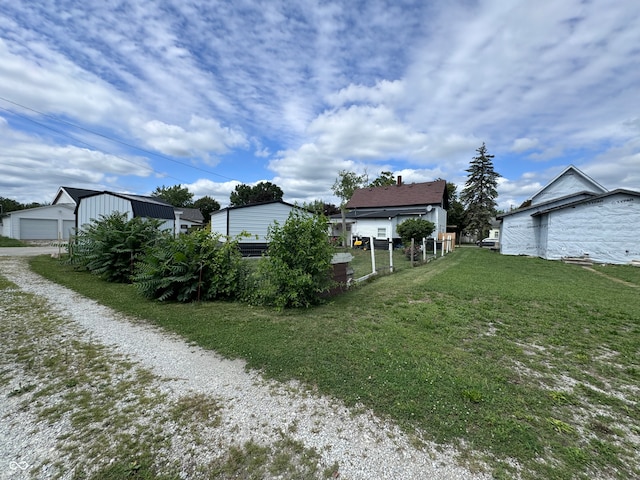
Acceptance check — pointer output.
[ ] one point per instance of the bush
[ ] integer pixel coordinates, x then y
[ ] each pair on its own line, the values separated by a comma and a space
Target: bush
111, 246
297, 270
416, 228
192, 267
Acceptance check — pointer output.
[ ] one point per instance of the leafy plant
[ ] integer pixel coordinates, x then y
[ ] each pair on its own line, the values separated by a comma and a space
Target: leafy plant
192, 267
298, 267
111, 246
416, 228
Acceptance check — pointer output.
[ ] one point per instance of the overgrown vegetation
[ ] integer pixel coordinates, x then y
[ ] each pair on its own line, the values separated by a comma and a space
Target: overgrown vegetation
297, 268
534, 369
111, 246
191, 267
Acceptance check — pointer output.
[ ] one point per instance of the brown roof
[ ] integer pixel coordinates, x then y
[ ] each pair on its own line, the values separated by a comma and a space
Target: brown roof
407, 194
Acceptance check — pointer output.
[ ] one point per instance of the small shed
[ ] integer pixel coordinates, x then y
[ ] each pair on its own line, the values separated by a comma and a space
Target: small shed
253, 219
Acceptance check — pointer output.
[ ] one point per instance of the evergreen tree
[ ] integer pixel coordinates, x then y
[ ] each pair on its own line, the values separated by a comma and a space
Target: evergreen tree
480, 193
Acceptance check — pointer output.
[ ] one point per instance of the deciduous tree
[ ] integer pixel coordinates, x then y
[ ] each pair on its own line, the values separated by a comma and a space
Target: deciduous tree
344, 186
385, 179
207, 206
259, 193
178, 196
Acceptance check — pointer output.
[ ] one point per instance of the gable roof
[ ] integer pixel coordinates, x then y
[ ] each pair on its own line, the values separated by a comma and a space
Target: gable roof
236, 207
74, 193
586, 200
586, 183
403, 195
149, 207
191, 214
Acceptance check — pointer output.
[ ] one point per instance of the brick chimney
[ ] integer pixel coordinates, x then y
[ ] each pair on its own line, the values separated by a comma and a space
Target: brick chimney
399, 180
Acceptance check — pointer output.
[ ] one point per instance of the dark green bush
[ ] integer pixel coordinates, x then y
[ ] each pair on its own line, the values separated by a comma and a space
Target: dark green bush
416, 228
111, 246
297, 268
192, 267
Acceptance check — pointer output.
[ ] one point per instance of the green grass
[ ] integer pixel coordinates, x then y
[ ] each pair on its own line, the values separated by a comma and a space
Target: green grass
11, 242
508, 358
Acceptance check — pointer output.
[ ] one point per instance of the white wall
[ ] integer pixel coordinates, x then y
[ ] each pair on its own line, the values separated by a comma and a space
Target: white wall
522, 234
59, 213
567, 184
607, 230
92, 208
253, 219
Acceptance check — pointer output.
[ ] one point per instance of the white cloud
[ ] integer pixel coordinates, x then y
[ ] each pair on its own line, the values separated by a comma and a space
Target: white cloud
201, 137
523, 144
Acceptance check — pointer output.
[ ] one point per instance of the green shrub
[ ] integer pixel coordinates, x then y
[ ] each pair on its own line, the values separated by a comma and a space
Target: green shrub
192, 267
297, 270
416, 228
111, 246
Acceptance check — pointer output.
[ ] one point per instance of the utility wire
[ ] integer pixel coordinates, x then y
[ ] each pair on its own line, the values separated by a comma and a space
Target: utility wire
88, 144
112, 139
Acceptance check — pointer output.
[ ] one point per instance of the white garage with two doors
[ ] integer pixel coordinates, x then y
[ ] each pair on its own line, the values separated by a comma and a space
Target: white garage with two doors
48, 223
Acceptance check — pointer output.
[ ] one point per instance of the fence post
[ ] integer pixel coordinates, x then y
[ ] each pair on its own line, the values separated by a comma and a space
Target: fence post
373, 255
390, 255
424, 249
413, 246
442, 249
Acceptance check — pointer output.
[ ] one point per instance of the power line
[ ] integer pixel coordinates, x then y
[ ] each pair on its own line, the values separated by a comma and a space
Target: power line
86, 143
112, 139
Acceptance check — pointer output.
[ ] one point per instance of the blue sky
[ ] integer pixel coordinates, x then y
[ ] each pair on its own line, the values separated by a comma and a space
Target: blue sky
129, 96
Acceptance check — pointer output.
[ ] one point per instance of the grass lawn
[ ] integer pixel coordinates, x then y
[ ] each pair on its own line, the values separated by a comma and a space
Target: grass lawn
11, 242
508, 358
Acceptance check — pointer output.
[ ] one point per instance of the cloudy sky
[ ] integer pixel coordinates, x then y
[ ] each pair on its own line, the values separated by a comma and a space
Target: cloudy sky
127, 96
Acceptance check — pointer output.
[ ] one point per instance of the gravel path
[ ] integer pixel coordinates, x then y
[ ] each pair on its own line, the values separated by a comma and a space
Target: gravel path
361, 445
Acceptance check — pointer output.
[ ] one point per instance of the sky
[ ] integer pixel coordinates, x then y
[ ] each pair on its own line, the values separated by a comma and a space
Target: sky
128, 96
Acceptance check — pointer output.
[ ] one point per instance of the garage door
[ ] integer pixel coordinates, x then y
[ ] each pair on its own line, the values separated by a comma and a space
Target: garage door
37, 229
68, 227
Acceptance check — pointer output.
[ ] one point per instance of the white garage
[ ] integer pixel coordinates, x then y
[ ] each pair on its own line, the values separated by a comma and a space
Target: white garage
48, 223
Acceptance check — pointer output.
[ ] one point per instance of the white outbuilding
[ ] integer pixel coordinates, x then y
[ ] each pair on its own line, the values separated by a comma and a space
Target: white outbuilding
252, 221
574, 216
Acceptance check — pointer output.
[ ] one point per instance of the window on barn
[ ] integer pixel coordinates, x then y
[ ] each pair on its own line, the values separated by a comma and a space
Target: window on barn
382, 232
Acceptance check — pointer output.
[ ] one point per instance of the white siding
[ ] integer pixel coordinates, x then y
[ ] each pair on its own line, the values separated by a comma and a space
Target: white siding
92, 208
219, 222
254, 219
567, 184
51, 217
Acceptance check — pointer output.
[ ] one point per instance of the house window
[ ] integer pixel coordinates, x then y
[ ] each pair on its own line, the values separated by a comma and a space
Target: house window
382, 232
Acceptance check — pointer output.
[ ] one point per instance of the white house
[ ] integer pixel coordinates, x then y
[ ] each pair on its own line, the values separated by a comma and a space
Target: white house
574, 216
377, 211
101, 204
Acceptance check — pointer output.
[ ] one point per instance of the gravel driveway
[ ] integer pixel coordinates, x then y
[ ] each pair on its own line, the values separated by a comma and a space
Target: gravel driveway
349, 444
